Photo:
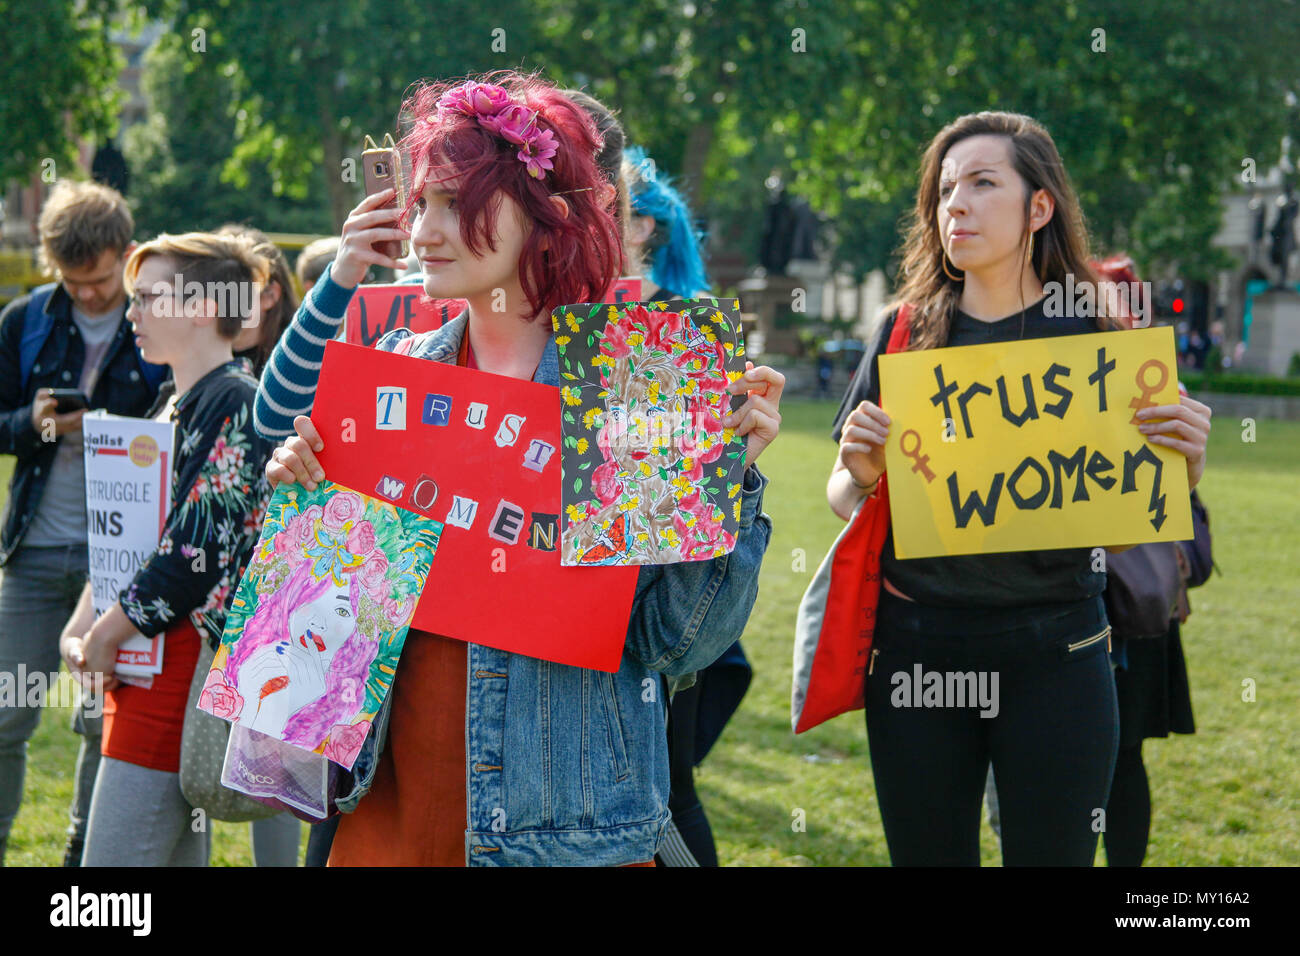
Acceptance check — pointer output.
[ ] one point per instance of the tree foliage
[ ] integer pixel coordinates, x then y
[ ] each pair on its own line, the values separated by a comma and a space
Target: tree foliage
178, 156
1154, 106
308, 83
58, 82
1152, 129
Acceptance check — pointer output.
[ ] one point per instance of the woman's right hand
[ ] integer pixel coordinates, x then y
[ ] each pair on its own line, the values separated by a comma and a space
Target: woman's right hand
70, 651
862, 443
369, 223
296, 460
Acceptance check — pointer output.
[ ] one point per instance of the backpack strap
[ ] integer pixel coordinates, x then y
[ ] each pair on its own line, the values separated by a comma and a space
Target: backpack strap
901, 333
37, 324
155, 375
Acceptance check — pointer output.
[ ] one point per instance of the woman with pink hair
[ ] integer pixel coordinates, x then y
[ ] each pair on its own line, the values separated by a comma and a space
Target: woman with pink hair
483, 756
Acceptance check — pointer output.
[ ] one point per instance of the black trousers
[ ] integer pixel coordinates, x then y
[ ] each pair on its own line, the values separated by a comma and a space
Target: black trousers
1030, 689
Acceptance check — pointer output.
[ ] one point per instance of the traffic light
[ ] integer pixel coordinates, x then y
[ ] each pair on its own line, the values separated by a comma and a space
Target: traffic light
1170, 299
1181, 300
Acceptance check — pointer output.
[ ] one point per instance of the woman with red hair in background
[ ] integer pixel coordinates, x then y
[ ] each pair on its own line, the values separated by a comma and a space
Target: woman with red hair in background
1151, 684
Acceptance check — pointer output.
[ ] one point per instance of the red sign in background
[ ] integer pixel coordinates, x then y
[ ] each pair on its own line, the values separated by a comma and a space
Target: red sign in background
470, 436
378, 309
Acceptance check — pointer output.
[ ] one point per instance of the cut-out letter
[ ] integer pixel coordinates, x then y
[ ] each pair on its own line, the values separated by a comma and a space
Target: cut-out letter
508, 430
507, 523
462, 512
390, 408
437, 409
390, 488
541, 533
538, 454
424, 494
477, 415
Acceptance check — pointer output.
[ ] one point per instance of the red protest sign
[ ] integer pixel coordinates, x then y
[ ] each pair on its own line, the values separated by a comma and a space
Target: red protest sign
480, 453
378, 309
626, 289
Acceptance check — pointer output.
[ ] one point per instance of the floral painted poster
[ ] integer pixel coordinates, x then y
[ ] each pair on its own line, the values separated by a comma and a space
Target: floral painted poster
318, 622
650, 476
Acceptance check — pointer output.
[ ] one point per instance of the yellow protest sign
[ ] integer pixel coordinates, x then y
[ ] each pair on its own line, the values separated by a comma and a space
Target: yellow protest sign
1032, 445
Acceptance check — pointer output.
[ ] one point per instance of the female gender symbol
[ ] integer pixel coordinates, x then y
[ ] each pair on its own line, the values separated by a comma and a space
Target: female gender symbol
914, 453
1145, 400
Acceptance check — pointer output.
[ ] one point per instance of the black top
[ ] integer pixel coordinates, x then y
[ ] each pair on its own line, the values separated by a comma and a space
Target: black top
1009, 579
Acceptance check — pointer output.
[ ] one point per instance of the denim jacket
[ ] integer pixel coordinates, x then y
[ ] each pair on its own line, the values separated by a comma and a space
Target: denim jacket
565, 765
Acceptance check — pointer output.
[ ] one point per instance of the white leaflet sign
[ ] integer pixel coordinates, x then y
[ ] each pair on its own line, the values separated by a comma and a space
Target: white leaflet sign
128, 494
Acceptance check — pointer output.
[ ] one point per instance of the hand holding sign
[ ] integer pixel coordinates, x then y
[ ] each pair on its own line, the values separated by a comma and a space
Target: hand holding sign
1186, 430
862, 443
296, 460
759, 419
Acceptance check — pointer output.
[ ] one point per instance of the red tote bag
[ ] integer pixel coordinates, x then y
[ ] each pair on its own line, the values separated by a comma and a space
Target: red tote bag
837, 616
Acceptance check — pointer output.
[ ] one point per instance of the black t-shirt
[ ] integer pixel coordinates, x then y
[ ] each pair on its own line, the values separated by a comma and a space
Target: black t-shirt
1010, 579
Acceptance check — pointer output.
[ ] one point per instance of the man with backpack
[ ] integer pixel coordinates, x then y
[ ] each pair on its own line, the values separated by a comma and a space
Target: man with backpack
71, 336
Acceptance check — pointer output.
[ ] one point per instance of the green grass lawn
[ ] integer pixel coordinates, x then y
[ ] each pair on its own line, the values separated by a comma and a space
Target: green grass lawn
1228, 795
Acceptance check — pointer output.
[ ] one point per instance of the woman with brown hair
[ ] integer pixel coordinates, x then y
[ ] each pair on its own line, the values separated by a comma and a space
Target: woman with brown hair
995, 220
275, 306
184, 315
274, 839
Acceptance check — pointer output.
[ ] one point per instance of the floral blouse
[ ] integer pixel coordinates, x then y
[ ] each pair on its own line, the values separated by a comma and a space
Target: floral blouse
219, 496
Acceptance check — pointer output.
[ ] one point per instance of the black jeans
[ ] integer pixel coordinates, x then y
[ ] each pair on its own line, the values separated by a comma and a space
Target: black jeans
1030, 689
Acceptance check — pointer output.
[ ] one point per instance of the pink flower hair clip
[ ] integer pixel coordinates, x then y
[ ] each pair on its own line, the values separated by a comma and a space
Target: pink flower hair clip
498, 113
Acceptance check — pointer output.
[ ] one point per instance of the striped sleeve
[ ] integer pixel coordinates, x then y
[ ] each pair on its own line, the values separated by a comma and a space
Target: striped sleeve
288, 386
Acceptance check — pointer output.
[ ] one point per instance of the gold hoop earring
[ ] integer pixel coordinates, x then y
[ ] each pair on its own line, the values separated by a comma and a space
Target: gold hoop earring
943, 259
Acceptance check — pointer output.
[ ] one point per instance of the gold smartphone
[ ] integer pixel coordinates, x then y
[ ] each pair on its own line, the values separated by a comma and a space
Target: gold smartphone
382, 169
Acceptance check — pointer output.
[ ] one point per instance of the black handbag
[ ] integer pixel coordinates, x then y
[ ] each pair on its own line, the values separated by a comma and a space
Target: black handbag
1142, 589
1198, 550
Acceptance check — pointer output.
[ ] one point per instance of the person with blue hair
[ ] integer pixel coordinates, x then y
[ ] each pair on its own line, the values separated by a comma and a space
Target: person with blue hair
663, 247
661, 233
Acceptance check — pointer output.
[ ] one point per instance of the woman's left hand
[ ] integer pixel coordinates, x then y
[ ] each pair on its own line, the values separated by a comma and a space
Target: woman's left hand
1186, 431
98, 654
760, 417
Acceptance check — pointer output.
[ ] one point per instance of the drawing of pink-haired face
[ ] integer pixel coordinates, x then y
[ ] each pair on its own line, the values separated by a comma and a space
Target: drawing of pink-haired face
327, 622
280, 616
